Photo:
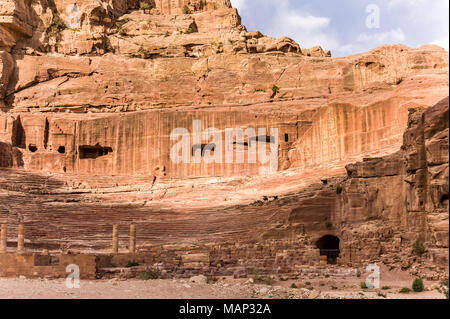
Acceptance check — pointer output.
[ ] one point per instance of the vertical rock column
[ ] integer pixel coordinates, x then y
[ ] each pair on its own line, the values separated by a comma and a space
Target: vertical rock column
20, 238
132, 247
115, 239
3, 239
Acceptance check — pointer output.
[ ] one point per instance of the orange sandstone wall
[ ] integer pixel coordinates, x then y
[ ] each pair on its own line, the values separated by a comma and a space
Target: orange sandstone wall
135, 143
344, 132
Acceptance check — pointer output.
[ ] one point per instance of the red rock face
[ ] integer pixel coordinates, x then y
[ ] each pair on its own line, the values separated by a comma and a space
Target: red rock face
91, 91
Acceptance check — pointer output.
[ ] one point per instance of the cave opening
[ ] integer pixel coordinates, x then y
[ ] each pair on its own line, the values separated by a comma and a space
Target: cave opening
61, 149
32, 148
329, 246
87, 151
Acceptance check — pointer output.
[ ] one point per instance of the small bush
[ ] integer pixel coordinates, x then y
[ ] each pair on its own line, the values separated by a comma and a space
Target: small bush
144, 6
381, 295
363, 285
358, 273
339, 189
258, 279
211, 280
144, 54
419, 248
131, 263
385, 288
55, 28
417, 285
186, 10
267, 280
190, 30
405, 290
328, 225
308, 283
275, 89
150, 274
121, 23
294, 286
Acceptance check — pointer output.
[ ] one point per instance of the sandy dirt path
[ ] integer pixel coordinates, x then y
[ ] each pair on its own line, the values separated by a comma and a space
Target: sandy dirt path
347, 288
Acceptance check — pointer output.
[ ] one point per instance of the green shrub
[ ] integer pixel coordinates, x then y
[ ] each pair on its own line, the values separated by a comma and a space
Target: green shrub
275, 89
55, 28
405, 291
189, 30
417, 285
186, 10
120, 23
328, 225
145, 6
144, 54
381, 295
131, 263
294, 286
418, 247
150, 274
385, 288
258, 279
211, 280
120, 26
339, 189
363, 285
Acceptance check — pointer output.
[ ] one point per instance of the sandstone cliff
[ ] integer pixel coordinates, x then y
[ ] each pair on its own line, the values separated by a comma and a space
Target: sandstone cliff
90, 91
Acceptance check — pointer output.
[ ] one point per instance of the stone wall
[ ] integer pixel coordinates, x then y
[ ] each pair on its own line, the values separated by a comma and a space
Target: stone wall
33, 265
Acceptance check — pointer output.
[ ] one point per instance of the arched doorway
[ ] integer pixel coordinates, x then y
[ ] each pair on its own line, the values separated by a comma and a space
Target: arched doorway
329, 246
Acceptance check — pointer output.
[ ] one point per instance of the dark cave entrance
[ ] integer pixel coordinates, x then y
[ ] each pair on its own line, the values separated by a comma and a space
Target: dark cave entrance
87, 151
329, 246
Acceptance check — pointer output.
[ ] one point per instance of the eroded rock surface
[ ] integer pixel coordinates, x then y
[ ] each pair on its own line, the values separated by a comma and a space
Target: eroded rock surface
91, 90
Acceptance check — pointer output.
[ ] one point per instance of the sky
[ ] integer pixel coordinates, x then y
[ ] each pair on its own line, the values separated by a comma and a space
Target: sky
349, 26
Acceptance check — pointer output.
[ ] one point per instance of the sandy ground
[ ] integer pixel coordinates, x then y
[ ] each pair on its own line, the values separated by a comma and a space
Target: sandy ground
224, 288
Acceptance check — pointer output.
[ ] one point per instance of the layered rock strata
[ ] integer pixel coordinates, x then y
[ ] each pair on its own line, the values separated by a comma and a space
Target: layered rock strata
91, 90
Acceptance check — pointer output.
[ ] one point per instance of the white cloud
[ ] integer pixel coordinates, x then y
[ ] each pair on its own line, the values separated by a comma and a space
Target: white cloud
428, 15
239, 4
410, 22
307, 29
366, 41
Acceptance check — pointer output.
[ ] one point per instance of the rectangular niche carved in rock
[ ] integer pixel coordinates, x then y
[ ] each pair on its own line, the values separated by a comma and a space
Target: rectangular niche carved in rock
89, 151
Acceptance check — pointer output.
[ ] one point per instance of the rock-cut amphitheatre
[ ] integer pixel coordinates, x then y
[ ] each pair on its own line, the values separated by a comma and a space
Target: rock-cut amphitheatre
91, 91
